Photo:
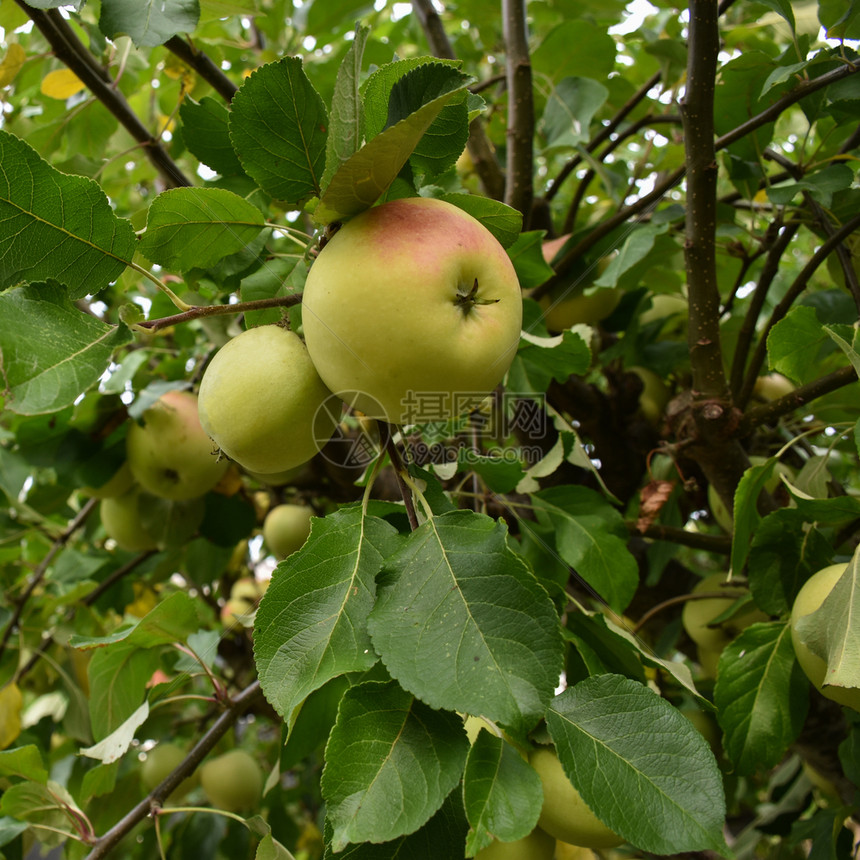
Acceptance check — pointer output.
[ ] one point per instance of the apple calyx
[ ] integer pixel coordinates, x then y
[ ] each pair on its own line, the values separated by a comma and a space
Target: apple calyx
466, 301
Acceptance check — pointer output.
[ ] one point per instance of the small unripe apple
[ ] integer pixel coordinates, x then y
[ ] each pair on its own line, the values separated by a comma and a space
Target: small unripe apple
772, 386
697, 615
538, 845
122, 522
286, 528
244, 597
673, 310
412, 311
654, 396
564, 814
810, 598
162, 760
262, 401
169, 453
118, 484
233, 781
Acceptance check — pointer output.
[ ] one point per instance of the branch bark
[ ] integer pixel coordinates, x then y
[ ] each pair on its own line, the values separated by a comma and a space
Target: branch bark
203, 65
519, 187
74, 54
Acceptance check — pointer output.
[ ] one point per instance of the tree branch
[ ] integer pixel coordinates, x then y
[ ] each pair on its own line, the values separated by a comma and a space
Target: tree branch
519, 187
240, 703
200, 311
71, 51
480, 149
203, 65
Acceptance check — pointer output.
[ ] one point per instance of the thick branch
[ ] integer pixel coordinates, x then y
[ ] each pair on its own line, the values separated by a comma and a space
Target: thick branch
105, 844
480, 149
203, 65
71, 51
519, 188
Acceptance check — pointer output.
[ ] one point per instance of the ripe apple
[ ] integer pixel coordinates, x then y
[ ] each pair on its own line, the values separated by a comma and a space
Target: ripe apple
261, 400
412, 312
569, 305
286, 528
722, 514
697, 615
232, 781
565, 815
170, 454
122, 522
809, 598
162, 760
538, 845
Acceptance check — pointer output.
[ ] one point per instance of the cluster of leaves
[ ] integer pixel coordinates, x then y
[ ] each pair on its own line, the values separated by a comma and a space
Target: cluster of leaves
566, 514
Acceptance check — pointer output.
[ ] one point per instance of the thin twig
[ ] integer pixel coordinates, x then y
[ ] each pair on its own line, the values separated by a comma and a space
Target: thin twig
201, 311
240, 703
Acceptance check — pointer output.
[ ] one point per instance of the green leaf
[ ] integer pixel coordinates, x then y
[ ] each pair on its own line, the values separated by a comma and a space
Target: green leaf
527, 256
278, 127
390, 763
761, 695
462, 623
570, 109
172, 620
270, 849
188, 228
783, 8
500, 472
148, 22
442, 836
311, 623
118, 677
848, 340
539, 360
602, 648
636, 248
592, 539
786, 550
501, 220
205, 129
575, 48
831, 631
56, 226
502, 795
841, 18
25, 762
50, 352
49, 807
359, 182
640, 765
346, 129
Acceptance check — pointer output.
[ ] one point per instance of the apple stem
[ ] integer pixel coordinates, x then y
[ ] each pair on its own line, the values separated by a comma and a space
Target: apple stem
390, 446
467, 300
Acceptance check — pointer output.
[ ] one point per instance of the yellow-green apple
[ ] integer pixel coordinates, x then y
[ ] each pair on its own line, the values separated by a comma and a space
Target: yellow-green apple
232, 781
810, 598
162, 760
654, 396
566, 851
262, 401
286, 528
122, 522
169, 453
672, 309
772, 386
569, 305
538, 845
564, 814
116, 485
722, 514
244, 597
412, 312
698, 615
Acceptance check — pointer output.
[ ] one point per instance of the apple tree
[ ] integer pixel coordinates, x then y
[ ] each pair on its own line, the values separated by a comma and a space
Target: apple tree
554, 602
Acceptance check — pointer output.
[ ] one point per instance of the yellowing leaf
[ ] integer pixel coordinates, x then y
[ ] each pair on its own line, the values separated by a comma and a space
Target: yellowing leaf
11, 703
11, 64
61, 83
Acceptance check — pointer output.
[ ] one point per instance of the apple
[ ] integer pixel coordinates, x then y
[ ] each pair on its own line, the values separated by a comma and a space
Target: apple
772, 386
654, 396
722, 514
564, 814
286, 528
538, 845
810, 598
122, 522
566, 851
262, 401
169, 453
244, 597
672, 309
162, 760
569, 305
412, 312
697, 615
232, 781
